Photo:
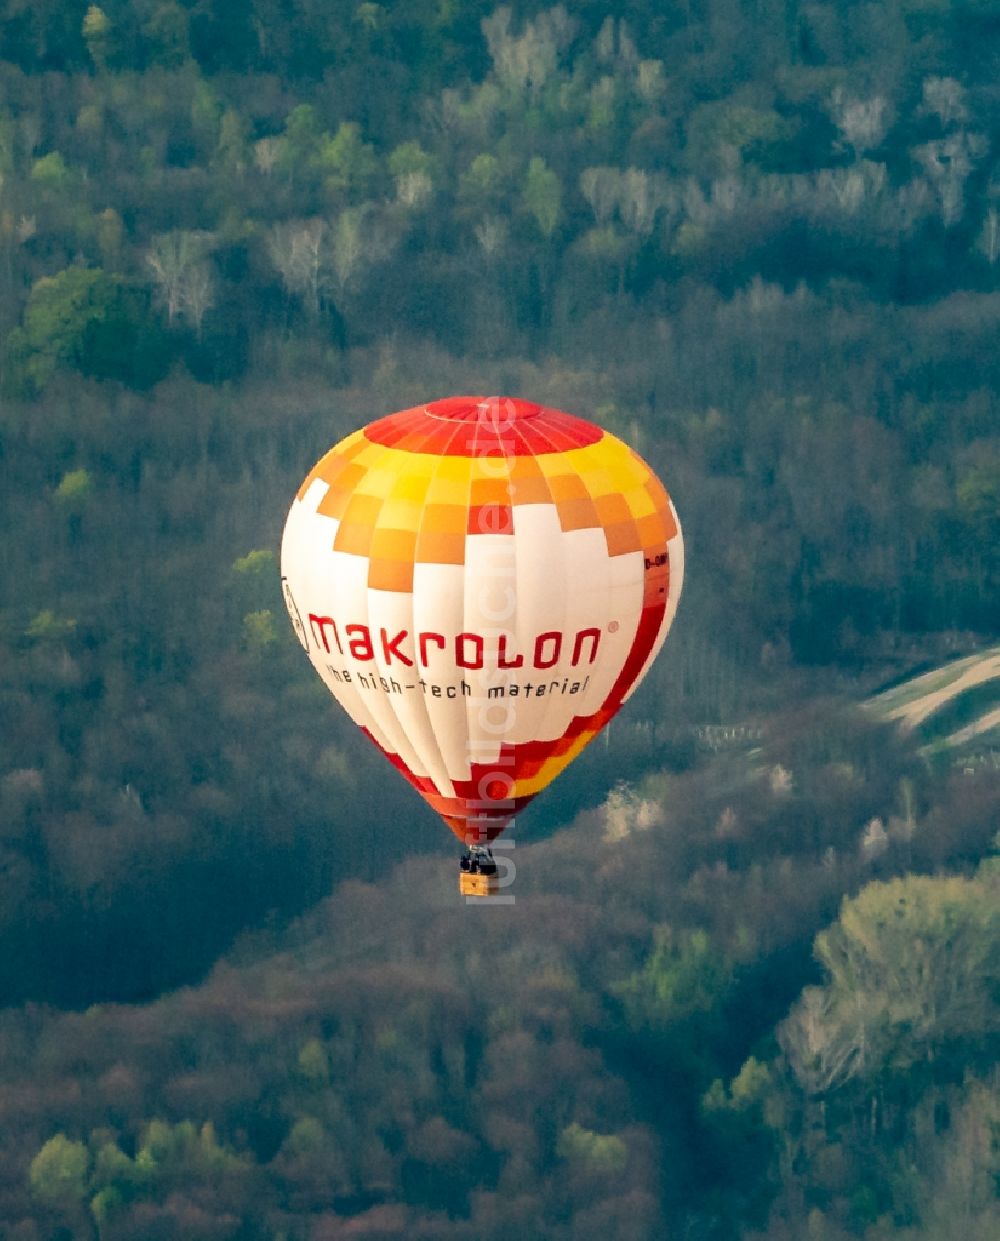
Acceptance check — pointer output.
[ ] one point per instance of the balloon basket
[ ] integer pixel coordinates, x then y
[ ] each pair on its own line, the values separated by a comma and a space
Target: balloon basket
477, 885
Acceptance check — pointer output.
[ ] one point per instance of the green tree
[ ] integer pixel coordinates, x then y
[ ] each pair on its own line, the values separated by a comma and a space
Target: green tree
306, 1137
741, 1122
481, 185
722, 134
74, 490
684, 975
598, 1152
300, 139
58, 1173
97, 34
314, 1063
110, 234
311, 1158
48, 628
184, 1151
346, 162
979, 502
52, 173
167, 31
113, 1169
370, 17
260, 633
206, 116
73, 498
542, 196
913, 967
8, 144
105, 1206
80, 318
232, 152
255, 578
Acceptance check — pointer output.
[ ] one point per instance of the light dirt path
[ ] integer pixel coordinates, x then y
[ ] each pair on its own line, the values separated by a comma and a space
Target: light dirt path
912, 702
990, 720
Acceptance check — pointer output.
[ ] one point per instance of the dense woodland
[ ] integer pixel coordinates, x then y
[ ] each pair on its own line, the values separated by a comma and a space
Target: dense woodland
749, 985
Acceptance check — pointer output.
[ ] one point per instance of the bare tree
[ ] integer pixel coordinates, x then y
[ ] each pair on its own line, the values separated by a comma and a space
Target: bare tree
362, 237
641, 196
696, 205
849, 189
491, 234
625, 812
874, 840
913, 202
958, 1188
558, 26
823, 1049
348, 246
604, 44
945, 98
862, 122
266, 153
845, 186
728, 194
601, 187
443, 114
31, 132
198, 296
166, 259
650, 82
948, 163
988, 242
314, 257
614, 44
603, 94
413, 188
296, 250
178, 262
523, 63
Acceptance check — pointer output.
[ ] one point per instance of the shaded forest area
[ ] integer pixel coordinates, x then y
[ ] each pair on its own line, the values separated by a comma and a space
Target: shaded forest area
760, 241
641, 1047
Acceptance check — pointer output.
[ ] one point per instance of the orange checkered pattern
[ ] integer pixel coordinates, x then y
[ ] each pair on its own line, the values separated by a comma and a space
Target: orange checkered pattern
403, 500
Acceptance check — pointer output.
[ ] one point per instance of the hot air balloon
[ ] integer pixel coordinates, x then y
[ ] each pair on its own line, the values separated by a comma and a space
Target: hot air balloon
481, 583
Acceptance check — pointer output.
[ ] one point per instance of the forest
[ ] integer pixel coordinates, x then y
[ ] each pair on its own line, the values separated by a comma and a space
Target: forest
749, 986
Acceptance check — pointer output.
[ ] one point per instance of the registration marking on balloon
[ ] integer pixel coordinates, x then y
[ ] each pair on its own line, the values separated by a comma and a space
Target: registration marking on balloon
481, 583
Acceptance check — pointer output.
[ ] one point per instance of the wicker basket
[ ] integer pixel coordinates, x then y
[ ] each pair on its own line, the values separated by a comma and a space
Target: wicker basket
477, 885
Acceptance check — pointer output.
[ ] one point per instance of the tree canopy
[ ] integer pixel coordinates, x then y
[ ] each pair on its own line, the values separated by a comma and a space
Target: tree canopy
760, 242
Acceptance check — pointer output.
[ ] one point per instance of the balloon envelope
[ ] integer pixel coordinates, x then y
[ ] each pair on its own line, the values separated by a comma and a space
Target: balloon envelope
481, 583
